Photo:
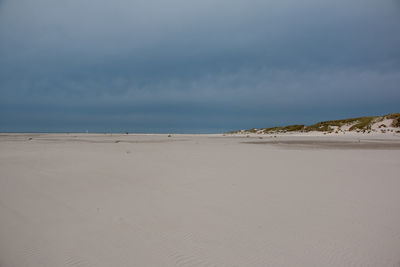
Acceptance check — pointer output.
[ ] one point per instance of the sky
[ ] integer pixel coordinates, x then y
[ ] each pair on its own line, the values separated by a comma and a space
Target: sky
182, 66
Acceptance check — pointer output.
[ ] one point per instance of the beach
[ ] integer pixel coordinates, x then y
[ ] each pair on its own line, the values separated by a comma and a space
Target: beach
199, 200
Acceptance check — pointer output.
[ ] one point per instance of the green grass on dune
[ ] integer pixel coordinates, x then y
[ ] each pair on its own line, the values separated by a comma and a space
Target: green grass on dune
293, 128
272, 129
359, 124
363, 124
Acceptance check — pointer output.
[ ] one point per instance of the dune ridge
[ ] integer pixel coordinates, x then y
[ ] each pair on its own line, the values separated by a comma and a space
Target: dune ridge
376, 124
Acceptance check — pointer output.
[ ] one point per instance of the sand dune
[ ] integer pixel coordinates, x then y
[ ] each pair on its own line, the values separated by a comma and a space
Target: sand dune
199, 200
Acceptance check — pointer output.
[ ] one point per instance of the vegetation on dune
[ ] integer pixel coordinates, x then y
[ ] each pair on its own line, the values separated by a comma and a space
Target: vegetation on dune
396, 123
392, 116
320, 126
340, 122
289, 128
293, 128
363, 124
355, 124
396, 119
272, 129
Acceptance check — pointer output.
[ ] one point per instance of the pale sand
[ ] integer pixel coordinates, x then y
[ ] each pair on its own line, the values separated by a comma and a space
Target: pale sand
205, 200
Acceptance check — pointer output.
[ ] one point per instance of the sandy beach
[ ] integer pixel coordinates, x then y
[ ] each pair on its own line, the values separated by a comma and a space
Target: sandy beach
199, 200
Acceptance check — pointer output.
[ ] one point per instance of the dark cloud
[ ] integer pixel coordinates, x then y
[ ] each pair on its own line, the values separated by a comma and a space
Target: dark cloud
194, 66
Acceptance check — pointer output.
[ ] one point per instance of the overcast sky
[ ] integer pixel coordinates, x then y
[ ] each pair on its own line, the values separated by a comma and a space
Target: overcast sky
195, 66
